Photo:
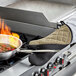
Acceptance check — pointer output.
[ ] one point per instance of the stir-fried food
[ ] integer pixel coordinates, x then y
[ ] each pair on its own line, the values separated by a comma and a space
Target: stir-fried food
6, 47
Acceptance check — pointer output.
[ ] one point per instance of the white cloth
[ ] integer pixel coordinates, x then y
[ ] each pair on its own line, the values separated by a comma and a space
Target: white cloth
71, 22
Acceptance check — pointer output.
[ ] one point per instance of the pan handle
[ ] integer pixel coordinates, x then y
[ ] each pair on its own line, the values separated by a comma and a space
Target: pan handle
36, 51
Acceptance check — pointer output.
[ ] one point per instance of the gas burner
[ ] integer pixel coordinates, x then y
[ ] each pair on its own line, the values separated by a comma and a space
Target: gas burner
18, 56
12, 61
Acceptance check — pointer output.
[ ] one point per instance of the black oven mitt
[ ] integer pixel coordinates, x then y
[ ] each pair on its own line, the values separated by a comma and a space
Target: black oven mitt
39, 59
55, 41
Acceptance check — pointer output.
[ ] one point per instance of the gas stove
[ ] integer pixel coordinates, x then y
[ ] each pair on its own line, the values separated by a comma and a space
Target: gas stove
29, 25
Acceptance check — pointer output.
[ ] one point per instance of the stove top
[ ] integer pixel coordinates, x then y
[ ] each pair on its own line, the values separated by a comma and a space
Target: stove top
12, 61
18, 56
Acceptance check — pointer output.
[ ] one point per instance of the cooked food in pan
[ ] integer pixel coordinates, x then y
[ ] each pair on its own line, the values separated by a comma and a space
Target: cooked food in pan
6, 47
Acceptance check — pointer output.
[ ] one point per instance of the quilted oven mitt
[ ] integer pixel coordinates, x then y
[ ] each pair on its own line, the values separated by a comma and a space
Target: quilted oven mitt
57, 40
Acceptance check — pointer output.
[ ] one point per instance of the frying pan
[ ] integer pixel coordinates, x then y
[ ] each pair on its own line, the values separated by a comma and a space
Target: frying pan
6, 40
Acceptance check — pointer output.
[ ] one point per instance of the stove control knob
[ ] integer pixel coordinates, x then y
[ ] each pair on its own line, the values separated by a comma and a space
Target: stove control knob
42, 70
35, 74
47, 72
60, 60
50, 66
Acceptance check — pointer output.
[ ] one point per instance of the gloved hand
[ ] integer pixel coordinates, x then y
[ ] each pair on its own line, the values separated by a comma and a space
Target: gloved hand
39, 59
60, 36
55, 41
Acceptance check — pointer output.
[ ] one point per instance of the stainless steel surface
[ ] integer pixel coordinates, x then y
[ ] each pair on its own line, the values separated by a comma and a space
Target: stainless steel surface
74, 74
51, 10
17, 69
24, 16
63, 1
7, 55
72, 59
74, 3
7, 2
67, 71
29, 28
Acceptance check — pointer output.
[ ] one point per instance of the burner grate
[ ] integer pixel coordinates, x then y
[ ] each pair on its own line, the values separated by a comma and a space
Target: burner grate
12, 61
